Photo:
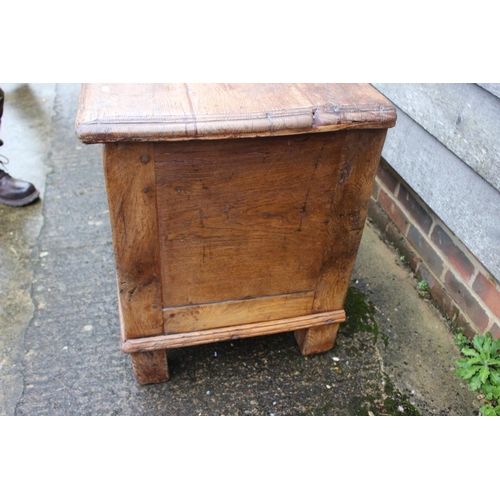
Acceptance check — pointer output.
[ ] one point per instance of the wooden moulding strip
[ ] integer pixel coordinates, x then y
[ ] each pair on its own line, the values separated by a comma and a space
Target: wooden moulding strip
174, 340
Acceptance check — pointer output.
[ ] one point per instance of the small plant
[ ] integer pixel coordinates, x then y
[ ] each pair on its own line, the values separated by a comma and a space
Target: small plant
491, 393
424, 290
480, 368
462, 341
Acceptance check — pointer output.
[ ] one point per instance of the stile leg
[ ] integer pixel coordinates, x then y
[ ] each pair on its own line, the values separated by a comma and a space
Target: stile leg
316, 340
150, 367
351, 194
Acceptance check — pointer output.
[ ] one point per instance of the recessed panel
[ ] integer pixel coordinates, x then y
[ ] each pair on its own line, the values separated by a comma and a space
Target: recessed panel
244, 218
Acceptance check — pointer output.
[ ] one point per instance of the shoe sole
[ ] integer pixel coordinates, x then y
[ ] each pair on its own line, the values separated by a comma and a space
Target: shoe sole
22, 202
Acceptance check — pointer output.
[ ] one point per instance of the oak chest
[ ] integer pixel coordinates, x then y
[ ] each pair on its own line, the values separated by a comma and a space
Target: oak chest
236, 209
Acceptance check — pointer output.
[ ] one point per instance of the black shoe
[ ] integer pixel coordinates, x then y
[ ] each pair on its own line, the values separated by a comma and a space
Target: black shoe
14, 192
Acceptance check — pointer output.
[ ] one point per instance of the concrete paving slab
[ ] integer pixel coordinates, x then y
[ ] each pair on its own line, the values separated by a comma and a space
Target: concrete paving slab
59, 342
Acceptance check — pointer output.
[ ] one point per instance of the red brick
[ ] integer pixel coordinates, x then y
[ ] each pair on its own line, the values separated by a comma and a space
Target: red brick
488, 292
393, 211
495, 331
401, 243
448, 306
425, 250
435, 286
375, 190
469, 329
416, 211
457, 258
391, 233
386, 178
466, 301
438, 292
378, 216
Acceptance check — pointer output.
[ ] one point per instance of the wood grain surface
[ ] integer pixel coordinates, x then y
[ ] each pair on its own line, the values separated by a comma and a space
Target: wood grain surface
158, 112
352, 188
244, 218
150, 367
236, 312
131, 190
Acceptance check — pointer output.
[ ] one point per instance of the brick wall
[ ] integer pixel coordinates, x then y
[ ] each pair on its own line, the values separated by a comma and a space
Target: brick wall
461, 286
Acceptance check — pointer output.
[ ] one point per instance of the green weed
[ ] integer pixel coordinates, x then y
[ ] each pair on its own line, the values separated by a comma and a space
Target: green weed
480, 368
423, 286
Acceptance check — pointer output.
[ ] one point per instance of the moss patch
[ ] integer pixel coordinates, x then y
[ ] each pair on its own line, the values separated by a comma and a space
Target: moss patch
360, 316
379, 396
389, 403
396, 403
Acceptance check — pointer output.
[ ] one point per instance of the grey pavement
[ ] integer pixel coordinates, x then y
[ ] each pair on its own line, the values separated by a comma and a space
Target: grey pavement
59, 330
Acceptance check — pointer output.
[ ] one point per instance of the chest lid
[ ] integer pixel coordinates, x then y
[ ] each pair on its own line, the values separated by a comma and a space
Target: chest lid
182, 111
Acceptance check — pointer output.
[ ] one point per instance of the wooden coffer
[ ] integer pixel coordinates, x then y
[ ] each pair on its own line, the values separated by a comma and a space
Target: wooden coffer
236, 209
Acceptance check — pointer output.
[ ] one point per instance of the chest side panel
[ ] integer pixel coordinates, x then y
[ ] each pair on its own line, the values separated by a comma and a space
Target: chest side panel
243, 218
